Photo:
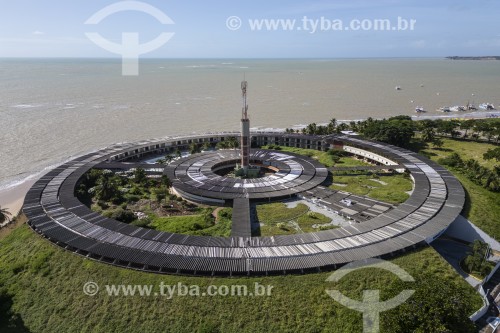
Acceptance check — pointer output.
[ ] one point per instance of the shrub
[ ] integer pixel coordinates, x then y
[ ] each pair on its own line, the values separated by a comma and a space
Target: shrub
120, 214
144, 223
454, 160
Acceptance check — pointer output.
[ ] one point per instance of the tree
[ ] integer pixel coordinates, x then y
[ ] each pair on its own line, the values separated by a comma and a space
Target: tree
396, 130
206, 146
492, 154
437, 143
331, 126
4, 215
140, 176
161, 161
160, 194
467, 125
428, 134
194, 148
168, 159
165, 181
106, 187
436, 306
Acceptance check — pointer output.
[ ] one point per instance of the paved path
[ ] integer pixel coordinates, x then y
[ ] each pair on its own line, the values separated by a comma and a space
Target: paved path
467, 231
453, 252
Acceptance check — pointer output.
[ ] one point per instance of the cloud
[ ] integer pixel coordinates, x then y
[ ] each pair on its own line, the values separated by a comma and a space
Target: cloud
38, 33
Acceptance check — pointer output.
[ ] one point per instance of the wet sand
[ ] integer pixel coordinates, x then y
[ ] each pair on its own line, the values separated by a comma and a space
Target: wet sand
12, 198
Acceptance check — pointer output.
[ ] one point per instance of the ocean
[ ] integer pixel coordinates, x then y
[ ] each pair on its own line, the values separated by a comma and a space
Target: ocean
54, 109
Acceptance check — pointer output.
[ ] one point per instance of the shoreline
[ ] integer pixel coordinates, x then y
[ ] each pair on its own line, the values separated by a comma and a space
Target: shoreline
12, 198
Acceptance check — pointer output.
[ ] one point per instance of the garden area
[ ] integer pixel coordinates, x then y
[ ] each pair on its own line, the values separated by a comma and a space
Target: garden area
391, 187
281, 219
133, 198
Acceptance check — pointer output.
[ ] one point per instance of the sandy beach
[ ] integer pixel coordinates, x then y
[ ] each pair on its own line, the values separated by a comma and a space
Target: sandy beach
12, 198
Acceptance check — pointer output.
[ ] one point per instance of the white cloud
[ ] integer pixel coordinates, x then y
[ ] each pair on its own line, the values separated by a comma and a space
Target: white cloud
38, 33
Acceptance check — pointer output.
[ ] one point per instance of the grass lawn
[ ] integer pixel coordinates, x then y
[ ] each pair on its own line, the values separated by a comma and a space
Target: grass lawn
307, 221
466, 150
278, 219
482, 207
179, 224
196, 224
279, 212
393, 191
41, 291
323, 157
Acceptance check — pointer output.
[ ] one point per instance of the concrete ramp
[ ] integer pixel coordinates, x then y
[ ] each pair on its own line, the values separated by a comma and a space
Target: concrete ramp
241, 225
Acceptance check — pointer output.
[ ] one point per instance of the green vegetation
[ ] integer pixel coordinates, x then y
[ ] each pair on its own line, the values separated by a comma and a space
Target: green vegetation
388, 187
41, 291
278, 219
230, 143
493, 153
5, 215
482, 206
475, 262
146, 202
201, 225
464, 147
279, 212
307, 222
468, 150
327, 158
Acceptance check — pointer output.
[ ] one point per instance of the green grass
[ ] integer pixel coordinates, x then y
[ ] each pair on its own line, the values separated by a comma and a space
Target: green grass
42, 285
272, 215
323, 157
351, 162
195, 224
307, 221
482, 207
364, 184
466, 150
279, 212
186, 224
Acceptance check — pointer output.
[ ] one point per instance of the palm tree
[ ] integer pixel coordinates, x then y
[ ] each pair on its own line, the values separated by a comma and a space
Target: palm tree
168, 159
4, 215
165, 181
106, 187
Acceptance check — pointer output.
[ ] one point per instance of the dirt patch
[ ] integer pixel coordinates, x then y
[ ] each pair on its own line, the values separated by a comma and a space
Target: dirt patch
7, 230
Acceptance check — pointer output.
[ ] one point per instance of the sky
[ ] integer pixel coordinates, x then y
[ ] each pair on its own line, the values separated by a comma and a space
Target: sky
202, 29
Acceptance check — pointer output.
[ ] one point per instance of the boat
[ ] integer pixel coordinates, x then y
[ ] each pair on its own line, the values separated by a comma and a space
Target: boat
487, 106
457, 108
444, 109
419, 109
471, 107
397, 88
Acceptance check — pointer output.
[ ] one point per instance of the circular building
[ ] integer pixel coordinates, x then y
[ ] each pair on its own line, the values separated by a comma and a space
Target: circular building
377, 230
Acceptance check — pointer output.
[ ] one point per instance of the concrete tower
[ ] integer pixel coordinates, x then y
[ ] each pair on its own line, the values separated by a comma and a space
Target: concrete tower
245, 130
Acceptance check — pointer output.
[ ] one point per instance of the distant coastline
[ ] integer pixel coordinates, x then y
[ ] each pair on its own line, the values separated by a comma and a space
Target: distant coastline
474, 58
